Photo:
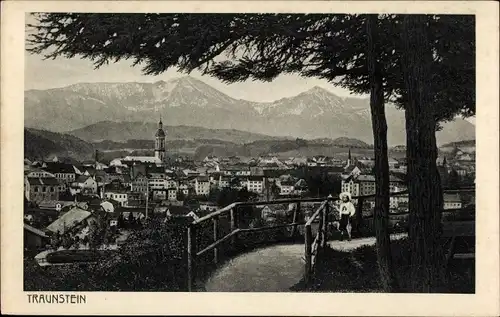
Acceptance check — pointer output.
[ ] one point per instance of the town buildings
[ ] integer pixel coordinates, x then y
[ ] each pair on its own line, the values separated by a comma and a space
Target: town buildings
136, 186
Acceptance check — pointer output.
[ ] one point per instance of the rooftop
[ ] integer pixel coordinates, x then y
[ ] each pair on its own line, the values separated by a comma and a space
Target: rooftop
55, 167
178, 210
70, 219
452, 197
43, 181
34, 230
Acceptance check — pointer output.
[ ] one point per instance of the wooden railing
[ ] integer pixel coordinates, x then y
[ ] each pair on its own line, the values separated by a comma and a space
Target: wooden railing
312, 247
232, 210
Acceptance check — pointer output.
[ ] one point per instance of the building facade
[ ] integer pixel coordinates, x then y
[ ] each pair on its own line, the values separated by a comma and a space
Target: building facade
37, 189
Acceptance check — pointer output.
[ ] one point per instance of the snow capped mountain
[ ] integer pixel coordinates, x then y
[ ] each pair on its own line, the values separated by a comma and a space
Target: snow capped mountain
312, 103
316, 113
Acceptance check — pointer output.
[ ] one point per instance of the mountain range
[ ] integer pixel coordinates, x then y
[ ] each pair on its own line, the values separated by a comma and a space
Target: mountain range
185, 101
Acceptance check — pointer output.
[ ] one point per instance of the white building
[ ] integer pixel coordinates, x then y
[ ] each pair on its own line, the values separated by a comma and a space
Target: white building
364, 184
255, 184
119, 196
452, 201
157, 183
183, 188
202, 185
171, 183
286, 187
172, 194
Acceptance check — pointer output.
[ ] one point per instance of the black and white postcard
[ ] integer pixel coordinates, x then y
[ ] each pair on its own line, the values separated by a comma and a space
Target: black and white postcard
233, 157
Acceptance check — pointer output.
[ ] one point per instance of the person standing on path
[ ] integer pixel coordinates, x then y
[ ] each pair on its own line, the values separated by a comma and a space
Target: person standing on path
347, 210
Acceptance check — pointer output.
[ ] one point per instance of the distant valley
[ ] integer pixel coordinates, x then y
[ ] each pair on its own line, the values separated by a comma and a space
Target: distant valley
45, 144
132, 110
189, 141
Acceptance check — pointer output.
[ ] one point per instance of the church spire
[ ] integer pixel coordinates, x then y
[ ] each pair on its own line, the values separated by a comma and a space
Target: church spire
160, 141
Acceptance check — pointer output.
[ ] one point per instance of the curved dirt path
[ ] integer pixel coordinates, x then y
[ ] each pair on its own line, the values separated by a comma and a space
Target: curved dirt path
271, 269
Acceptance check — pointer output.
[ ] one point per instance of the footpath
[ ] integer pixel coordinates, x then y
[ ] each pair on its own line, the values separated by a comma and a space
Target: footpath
271, 269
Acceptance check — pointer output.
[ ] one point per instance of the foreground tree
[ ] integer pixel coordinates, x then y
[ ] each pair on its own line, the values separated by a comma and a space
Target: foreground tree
339, 48
379, 125
432, 47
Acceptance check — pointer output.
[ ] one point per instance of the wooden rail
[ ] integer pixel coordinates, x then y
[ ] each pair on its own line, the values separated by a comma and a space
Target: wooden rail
232, 236
312, 247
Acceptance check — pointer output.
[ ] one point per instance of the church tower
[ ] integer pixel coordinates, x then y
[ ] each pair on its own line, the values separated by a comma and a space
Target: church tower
160, 142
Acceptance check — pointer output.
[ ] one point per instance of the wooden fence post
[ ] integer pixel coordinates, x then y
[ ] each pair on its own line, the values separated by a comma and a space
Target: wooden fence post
191, 256
325, 223
359, 215
216, 237
321, 233
295, 219
307, 267
234, 226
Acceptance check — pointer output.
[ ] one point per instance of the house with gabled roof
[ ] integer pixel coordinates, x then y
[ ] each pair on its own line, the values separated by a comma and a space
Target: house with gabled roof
173, 213
86, 184
73, 220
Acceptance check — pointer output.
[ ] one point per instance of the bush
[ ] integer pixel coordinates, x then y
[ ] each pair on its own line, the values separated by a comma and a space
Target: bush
66, 256
153, 259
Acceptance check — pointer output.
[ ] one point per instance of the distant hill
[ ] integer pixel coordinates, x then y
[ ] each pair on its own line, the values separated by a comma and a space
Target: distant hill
315, 113
40, 144
399, 148
125, 131
465, 143
466, 146
204, 147
199, 142
342, 142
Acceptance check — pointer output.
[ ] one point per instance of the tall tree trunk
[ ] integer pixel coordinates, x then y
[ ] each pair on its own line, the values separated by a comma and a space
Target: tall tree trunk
379, 125
425, 193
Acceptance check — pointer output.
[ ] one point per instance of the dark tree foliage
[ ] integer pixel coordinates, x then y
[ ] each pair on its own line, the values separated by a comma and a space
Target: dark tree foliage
432, 86
321, 184
274, 190
227, 196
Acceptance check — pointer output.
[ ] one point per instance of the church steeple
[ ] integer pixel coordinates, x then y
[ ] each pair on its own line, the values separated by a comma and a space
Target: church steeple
160, 142
349, 159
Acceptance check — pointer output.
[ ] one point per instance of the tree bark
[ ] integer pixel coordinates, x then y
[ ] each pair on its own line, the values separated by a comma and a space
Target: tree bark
379, 126
425, 193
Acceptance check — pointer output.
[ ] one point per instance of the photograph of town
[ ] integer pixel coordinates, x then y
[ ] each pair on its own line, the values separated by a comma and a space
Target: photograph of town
249, 153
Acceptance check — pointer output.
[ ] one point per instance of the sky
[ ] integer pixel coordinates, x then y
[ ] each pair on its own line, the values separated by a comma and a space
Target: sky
45, 74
